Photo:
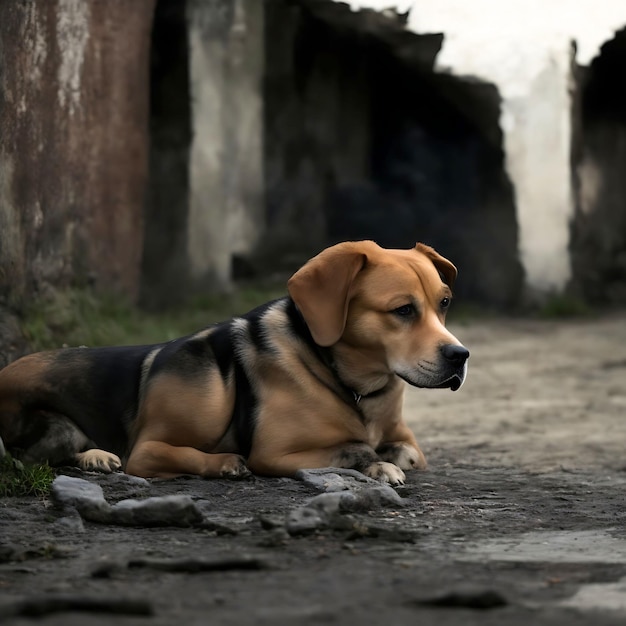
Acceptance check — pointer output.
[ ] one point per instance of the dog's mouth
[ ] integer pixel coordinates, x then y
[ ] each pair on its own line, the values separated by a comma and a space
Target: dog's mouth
453, 382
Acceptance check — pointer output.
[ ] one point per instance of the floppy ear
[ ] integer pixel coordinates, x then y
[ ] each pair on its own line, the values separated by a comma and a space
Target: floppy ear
446, 269
321, 290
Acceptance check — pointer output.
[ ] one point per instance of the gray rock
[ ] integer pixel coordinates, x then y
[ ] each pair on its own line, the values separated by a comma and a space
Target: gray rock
304, 520
378, 497
88, 499
159, 511
325, 510
136, 482
330, 479
85, 496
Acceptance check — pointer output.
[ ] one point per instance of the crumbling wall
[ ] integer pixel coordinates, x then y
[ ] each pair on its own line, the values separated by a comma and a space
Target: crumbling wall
73, 139
598, 243
317, 136
365, 140
205, 205
226, 169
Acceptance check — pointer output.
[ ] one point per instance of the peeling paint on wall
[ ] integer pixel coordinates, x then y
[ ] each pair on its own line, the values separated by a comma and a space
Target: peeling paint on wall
72, 37
34, 39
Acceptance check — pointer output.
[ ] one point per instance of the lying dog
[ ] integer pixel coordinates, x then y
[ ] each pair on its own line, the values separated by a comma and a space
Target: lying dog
314, 379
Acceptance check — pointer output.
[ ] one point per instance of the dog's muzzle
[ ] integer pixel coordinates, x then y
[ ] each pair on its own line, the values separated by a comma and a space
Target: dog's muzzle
448, 373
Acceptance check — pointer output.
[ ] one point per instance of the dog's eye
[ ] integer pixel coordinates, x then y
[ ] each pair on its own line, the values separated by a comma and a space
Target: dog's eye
445, 303
404, 311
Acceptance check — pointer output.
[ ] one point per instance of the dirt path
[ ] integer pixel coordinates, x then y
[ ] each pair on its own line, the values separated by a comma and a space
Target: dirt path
521, 517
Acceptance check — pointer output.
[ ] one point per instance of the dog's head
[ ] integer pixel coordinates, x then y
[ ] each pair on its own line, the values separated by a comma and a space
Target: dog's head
389, 306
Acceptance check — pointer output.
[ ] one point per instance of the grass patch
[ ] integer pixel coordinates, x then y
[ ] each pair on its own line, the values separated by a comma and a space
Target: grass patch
564, 306
19, 479
78, 317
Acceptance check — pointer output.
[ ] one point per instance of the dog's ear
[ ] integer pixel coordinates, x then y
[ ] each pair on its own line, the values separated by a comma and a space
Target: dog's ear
321, 290
445, 267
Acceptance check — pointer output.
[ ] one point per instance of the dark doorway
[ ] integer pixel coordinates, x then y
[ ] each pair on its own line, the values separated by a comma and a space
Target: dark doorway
164, 263
364, 140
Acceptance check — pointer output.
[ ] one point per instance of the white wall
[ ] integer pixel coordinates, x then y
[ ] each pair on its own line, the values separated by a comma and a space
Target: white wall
524, 48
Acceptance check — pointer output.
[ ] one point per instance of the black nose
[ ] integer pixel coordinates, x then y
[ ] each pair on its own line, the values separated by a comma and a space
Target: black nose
455, 354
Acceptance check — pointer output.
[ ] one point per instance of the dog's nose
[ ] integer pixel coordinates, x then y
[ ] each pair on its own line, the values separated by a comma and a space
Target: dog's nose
455, 354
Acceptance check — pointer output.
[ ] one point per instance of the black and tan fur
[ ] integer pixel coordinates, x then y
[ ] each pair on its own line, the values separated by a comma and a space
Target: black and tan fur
314, 379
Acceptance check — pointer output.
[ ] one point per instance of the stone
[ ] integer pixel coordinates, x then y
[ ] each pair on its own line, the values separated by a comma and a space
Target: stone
333, 478
326, 509
88, 499
304, 520
158, 511
85, 496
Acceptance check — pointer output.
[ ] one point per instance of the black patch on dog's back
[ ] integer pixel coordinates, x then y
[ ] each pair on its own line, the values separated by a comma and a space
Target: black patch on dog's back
97, 388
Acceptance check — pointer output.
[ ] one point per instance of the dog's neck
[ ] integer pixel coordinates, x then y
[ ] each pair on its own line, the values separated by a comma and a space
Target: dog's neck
362, 383
345, 365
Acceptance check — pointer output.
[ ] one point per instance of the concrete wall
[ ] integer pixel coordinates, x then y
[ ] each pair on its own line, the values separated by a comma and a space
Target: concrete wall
226, 168
73, 145
317, 129
206, 200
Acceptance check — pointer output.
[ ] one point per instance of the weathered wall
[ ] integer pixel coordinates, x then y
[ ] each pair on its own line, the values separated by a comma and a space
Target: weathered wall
317, 135
226, 169
524, 49
364, 140
73, 143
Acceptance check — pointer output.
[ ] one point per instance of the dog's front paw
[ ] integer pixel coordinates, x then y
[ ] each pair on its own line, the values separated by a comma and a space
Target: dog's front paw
234, 467
98, 461
402, 454
386, 473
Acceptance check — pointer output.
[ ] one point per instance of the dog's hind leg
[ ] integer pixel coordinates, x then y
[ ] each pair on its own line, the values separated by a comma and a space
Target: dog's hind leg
53, 438
155, 459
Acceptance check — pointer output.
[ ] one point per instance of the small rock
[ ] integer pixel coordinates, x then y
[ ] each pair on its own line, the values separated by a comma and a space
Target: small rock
85, 496
304, 520
326, 509
331, 479
158, 511
128, 479
269, 522
88, 499
378, 497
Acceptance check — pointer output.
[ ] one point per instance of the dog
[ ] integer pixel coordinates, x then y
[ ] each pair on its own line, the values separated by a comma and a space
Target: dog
311, 380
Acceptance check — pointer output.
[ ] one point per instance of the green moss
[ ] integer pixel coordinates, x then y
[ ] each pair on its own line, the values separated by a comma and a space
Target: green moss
19, 479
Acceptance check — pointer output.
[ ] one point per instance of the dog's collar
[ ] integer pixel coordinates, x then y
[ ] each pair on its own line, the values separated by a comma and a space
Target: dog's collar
360, 396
